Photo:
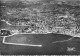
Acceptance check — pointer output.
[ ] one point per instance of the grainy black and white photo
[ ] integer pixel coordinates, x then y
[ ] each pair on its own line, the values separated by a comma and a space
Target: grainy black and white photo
39, 27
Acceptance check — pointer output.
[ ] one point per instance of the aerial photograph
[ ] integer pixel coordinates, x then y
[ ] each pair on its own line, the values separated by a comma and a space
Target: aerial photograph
39, 27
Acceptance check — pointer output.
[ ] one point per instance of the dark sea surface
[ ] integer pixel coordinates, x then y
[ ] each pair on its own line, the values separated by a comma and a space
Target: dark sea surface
48, 47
